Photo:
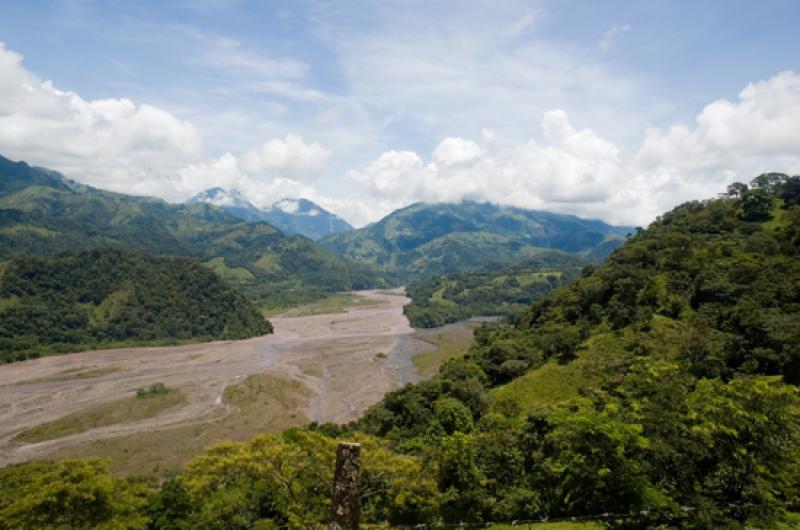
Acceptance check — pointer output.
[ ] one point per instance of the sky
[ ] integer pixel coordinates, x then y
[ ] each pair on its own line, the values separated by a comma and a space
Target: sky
615, 110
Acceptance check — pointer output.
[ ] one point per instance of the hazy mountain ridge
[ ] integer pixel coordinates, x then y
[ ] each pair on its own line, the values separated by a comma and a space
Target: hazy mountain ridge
291, 216
41, 213
423, 240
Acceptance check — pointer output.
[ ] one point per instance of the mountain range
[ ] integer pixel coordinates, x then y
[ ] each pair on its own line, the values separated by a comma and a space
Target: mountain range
423, 240
42, 212
291, 216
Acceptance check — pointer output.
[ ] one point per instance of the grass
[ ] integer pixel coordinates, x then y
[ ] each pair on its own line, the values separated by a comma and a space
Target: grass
231, 274
550, 384
119, 411
336, 303
261, 403
451, 341
80, 372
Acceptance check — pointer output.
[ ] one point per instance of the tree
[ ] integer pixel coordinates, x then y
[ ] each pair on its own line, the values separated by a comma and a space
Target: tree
756, 205
70, 494
769, 182
790, 192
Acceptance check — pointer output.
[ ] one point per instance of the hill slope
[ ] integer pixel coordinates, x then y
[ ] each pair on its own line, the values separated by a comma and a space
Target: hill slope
665, 377
506, 292
43, 213
423, 240
112, 297
299, 216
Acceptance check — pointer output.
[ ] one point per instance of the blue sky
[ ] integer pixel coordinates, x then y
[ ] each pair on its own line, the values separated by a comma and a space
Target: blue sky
615, 110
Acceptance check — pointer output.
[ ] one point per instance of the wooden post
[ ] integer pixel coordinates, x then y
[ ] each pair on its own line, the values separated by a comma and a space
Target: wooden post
346, 509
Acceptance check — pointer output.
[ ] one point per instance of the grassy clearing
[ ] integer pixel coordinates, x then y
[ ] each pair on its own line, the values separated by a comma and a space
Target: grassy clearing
336, 303
261, 403
119, 411
451, 341
548, 385
80, 372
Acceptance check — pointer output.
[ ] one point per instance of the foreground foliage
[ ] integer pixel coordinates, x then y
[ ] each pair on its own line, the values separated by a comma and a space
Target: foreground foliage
268, 482
111, 297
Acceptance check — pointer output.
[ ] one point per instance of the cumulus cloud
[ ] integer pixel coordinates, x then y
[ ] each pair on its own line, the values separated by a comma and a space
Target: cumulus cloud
290, 157
112, 143
577, 171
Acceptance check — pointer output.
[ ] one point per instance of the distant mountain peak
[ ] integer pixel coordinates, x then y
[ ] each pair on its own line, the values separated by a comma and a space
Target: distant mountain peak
221, 197
292, 216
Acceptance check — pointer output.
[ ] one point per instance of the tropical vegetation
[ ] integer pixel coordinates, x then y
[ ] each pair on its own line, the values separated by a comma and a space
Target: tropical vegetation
112, 297
507, 292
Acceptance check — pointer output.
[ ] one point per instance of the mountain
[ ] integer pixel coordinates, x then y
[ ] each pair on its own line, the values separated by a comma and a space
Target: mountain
506, 292
291, 216
233, 203
43, 213
304, 217
111, 297
664, 378
423, 240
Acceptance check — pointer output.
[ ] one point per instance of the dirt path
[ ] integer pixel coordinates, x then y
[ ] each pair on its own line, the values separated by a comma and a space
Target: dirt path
336, 356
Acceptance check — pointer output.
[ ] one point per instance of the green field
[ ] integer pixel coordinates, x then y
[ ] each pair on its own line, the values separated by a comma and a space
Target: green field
451, 341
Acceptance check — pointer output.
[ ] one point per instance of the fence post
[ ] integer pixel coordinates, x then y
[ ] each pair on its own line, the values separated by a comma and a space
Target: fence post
346, 508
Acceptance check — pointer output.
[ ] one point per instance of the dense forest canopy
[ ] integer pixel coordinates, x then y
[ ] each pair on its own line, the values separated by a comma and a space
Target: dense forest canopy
112, 297
661, 384
43, 213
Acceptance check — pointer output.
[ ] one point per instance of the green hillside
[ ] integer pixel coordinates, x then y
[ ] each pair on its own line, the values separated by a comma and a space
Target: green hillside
506, 292
111, 297
424, 240
664, 378
43, 213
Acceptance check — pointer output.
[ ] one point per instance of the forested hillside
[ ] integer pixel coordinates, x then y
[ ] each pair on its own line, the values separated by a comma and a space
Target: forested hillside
112, 297
660, 385
424, 240
506, 292
663, 378
42, 213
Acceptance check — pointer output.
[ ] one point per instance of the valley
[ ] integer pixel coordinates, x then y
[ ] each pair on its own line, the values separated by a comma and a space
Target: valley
316, 367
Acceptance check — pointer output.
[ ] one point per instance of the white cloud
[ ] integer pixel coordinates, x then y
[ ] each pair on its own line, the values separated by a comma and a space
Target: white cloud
454, 151
291, 157
579, 172
111, 143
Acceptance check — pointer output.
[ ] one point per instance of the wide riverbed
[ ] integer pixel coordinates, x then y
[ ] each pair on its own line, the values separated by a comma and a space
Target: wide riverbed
343, 362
